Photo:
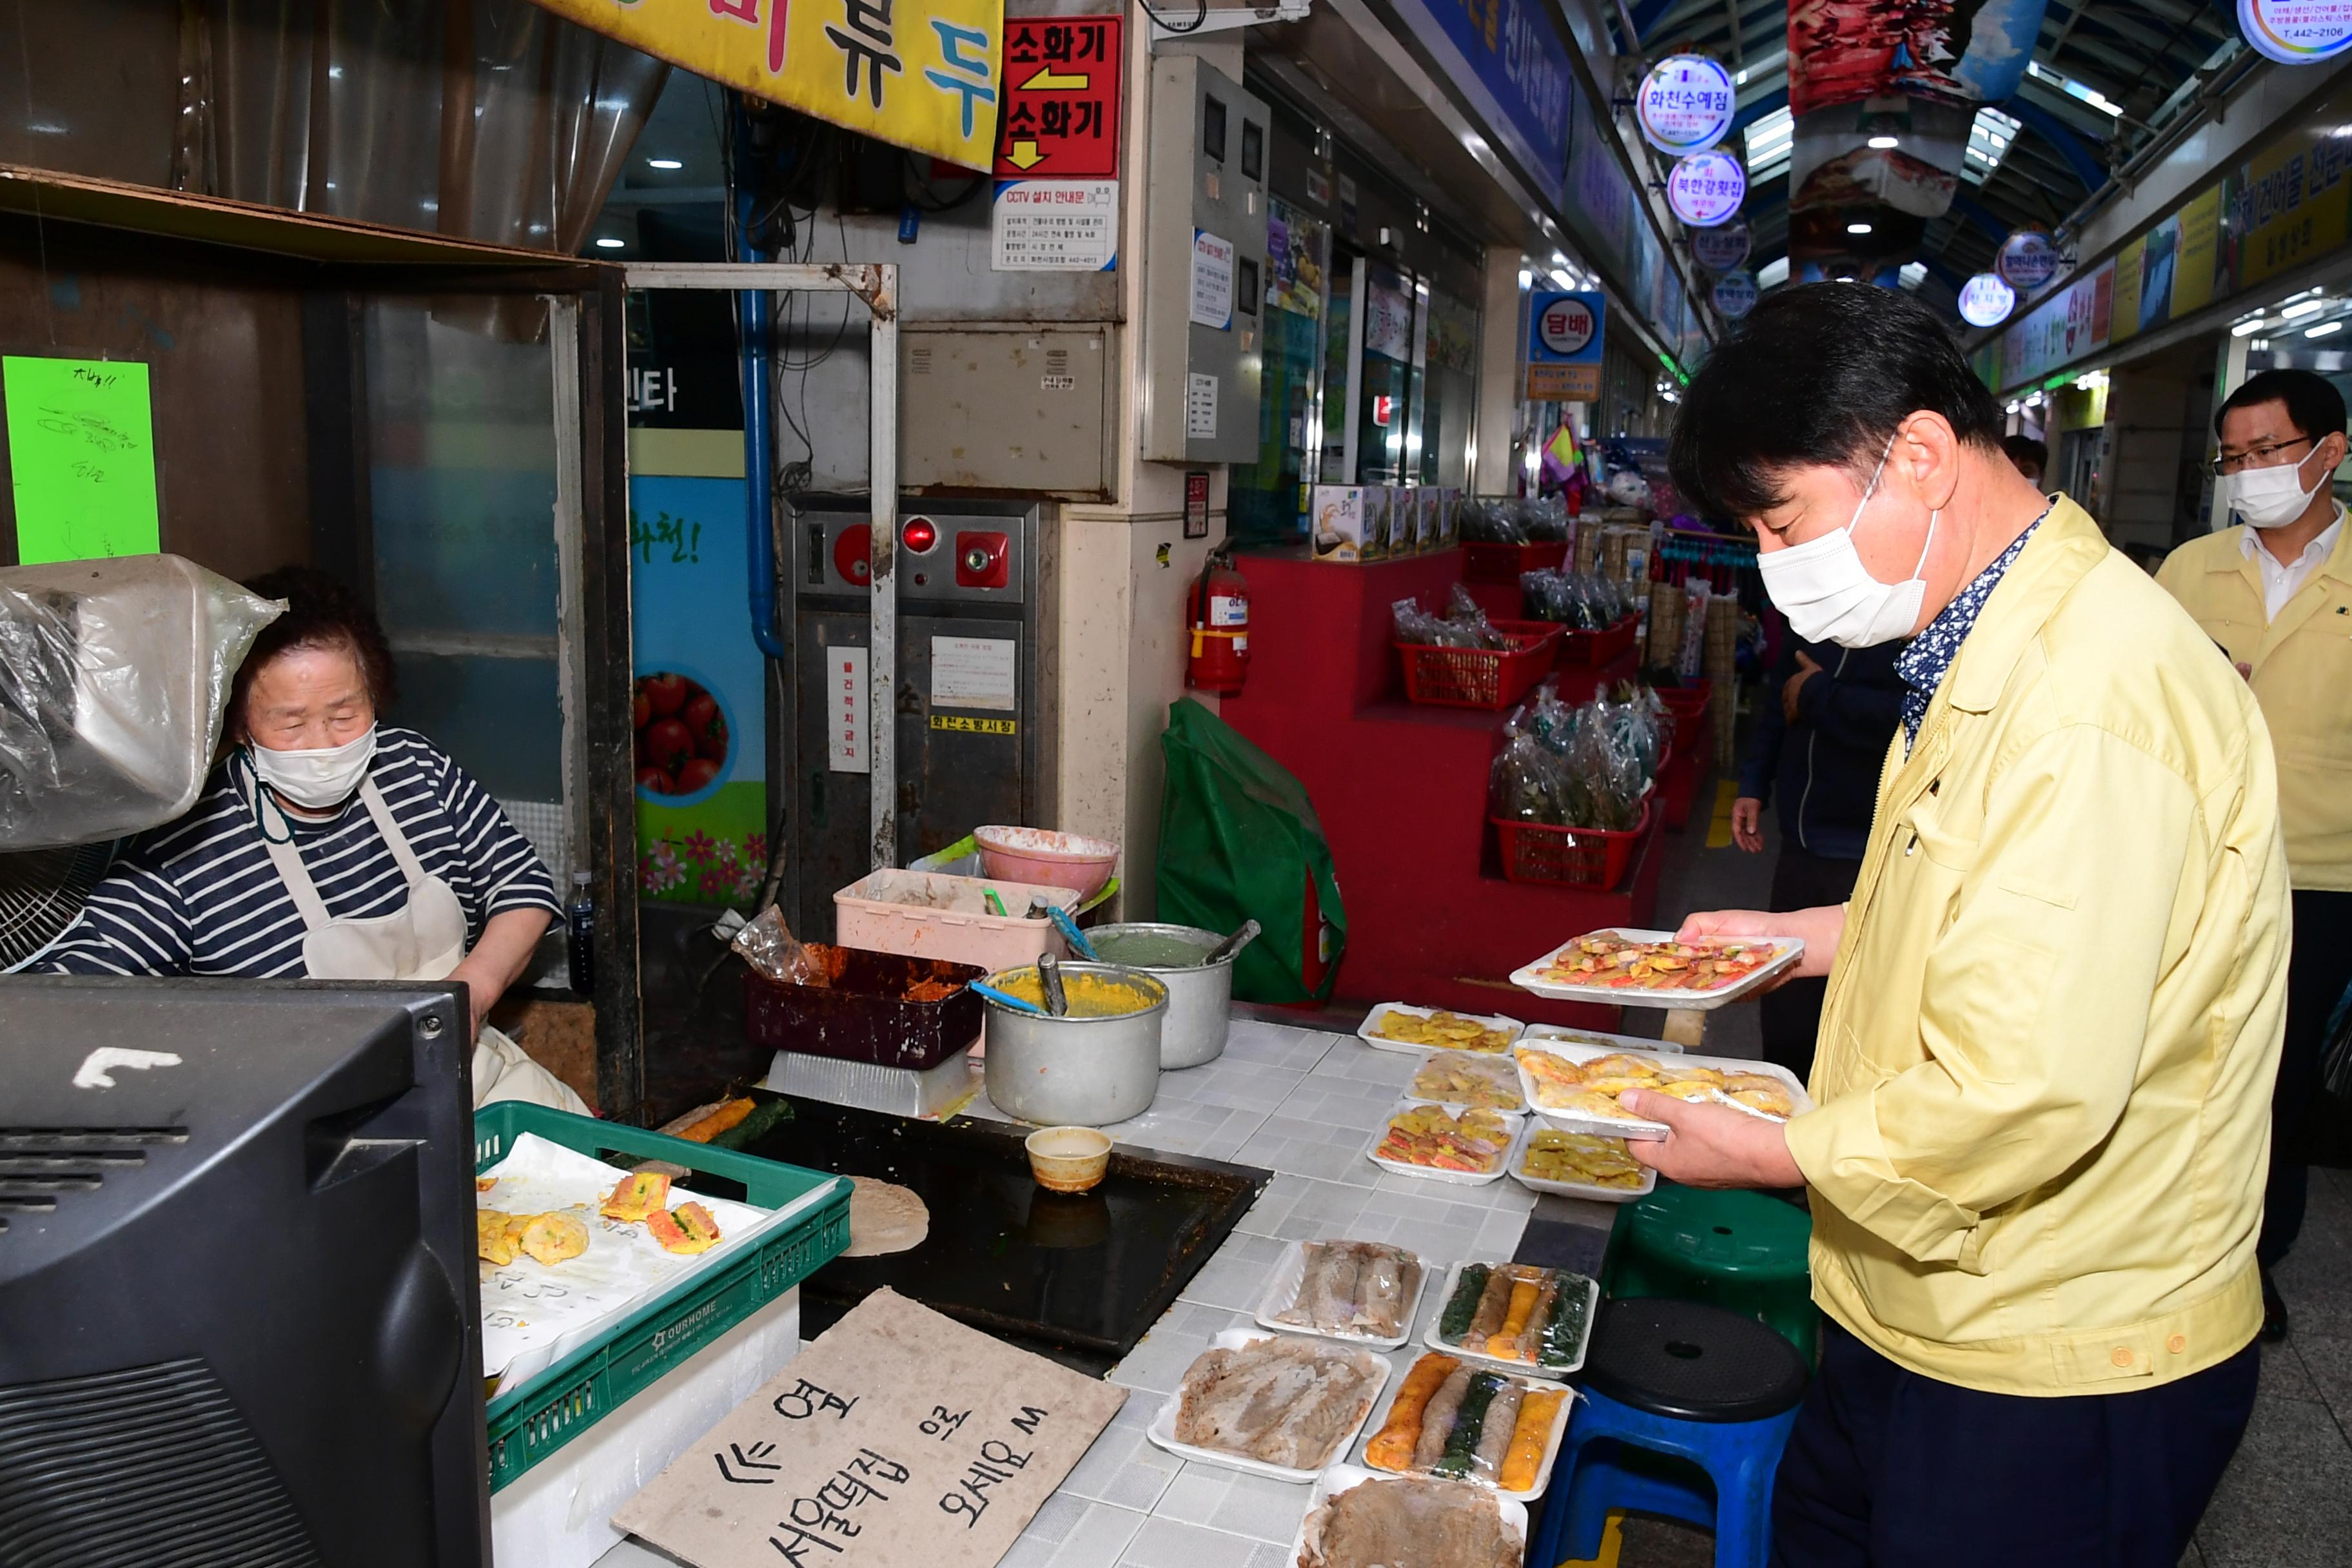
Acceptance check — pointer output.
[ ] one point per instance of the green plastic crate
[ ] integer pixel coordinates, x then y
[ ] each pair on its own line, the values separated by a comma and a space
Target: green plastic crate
528, 1424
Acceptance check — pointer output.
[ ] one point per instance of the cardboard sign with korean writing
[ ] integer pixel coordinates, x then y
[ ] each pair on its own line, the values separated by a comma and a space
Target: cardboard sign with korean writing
900, 1436
1061, 98
915, 73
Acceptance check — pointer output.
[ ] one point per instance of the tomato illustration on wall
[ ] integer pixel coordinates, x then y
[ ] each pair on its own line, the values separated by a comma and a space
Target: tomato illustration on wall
682, 736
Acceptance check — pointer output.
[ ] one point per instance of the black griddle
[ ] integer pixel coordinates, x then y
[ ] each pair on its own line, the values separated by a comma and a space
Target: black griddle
1077, 1278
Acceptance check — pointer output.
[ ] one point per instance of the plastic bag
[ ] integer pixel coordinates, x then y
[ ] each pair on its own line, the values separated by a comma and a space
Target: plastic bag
1239, 840
768, 945
113, 674
1543, 518
1464, 625
1490, 520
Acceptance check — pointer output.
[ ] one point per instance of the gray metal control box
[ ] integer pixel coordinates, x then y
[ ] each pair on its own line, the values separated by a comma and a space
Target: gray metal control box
1205, 283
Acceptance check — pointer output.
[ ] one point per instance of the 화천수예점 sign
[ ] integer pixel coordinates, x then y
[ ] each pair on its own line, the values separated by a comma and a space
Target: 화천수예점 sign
1684, 104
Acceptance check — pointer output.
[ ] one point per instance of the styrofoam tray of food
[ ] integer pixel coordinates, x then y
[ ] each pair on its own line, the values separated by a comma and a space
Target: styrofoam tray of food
1350, 1297
1163, 1428
1476, 1032
1400, 1511
1576, 1298
1441, 1132
1469, 1079
1657, 971
1595, 1037
1497, 1457
1572, 1151
1582, 1097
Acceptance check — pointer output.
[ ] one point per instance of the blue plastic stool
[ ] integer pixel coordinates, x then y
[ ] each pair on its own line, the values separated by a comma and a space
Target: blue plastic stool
1686, 1409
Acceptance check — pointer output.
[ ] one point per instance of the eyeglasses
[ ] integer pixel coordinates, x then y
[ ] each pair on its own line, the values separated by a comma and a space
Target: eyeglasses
2253, 458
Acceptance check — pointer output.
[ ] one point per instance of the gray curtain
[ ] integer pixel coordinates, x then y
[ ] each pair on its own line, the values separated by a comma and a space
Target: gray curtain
487, 119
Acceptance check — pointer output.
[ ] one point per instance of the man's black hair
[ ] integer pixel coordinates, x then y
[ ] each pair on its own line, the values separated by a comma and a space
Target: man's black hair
1824, 374
2023, 449
2314, 406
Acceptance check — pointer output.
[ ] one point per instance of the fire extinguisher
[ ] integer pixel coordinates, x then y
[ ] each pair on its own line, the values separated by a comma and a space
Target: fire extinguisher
1218, 609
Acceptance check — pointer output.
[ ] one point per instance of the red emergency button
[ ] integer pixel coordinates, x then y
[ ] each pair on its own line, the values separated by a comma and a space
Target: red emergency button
918, 535
849, 556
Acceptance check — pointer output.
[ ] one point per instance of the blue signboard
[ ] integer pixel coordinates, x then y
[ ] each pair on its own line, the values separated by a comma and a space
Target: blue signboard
1507, 58
1564, 342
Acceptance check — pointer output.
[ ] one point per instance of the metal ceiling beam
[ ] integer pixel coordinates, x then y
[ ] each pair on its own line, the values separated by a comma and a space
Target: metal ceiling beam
1751, 113
1647, 14
1982, 218
2084, 164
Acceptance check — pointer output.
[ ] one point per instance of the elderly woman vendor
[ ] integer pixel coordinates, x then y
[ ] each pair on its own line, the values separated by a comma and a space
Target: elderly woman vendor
330, 847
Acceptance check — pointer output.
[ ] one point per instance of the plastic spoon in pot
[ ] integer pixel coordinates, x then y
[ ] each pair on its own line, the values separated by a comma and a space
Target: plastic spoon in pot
1018, 1003
1072, 934
1049, 973
1234, 944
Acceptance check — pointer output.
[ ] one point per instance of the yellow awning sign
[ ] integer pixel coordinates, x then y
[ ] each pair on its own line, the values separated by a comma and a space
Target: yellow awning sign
920, 74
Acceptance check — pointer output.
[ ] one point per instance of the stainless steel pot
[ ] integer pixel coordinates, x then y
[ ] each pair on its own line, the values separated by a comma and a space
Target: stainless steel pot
1199, 996
1075, 1072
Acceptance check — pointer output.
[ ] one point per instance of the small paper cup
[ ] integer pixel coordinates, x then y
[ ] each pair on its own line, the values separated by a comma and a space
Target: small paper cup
1067, 1159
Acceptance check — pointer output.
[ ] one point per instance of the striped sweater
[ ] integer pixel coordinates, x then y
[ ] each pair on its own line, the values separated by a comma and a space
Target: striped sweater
199, 896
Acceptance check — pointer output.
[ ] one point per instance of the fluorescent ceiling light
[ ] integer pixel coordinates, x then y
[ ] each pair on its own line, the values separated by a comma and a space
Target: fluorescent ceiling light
1857, 228
2076, 89
1773, 273
1526, 279
1563, 279
609, 243
1881, 143
1769, 142
1989, 135
2304, 307
664, 164
2247, 328
2324, 328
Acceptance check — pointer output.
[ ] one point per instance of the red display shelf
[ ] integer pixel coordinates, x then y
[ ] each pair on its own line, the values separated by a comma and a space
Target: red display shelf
1401, 792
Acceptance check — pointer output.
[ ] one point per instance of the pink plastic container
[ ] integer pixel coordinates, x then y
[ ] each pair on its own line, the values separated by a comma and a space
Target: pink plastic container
1056, 860
928, 914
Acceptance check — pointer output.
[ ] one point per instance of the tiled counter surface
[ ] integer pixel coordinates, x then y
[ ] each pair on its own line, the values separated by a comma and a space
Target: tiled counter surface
1304, 1105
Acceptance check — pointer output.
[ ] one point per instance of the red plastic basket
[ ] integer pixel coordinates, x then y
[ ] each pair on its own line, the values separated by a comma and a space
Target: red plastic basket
1569, 857
1582, 648
1484, 563
1477, 677
1687, 703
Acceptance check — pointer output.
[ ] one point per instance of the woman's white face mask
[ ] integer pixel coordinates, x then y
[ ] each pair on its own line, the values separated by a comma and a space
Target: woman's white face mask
1827, 592
316, 778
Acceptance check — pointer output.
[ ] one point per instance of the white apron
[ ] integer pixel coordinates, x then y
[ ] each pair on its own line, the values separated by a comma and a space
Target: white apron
426, 940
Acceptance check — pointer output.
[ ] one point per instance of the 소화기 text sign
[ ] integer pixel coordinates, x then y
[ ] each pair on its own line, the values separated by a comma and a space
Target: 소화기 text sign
899, 1437
81, 455
1061, 98
915, 73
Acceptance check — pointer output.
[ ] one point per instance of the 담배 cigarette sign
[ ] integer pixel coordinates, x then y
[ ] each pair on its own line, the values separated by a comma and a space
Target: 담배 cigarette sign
921, 74
1564, 344
899, 1437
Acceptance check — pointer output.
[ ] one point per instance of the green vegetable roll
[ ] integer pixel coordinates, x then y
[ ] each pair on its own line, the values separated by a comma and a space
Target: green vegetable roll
1462, 1443
1463, 1303
1563, 1329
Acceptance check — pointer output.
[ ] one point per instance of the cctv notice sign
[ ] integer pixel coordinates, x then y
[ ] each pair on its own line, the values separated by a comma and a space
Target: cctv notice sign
1564, 343
1057, 144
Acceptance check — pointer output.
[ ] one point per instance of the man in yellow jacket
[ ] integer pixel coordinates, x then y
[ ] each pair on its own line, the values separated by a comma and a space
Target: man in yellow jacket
2054, 999
2277, 595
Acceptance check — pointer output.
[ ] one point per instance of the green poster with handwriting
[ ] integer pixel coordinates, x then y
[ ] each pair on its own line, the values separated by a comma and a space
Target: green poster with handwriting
81, 453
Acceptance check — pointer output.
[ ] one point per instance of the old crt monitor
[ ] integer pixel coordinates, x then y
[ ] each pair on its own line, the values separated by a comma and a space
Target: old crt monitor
239, 1319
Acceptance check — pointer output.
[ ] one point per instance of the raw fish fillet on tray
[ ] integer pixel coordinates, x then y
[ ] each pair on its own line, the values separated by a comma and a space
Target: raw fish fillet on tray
1365, 1288
1286, 1402
1381, 1523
